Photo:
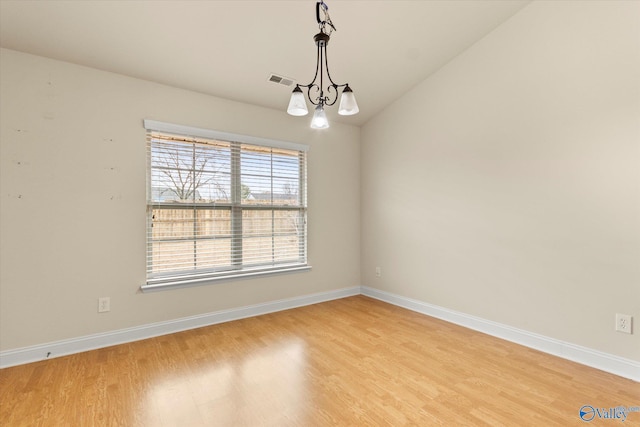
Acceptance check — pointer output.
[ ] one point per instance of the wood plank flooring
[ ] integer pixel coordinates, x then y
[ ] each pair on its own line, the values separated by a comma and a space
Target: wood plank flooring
349, 362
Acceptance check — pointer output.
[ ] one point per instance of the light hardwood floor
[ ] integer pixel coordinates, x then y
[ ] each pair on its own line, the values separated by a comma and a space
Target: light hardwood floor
349, 362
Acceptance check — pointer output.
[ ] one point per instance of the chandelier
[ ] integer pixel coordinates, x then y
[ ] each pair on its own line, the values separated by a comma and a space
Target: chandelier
317, 93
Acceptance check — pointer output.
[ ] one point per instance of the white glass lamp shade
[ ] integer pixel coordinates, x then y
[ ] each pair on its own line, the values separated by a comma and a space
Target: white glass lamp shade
348, 105
319, 120
297, 104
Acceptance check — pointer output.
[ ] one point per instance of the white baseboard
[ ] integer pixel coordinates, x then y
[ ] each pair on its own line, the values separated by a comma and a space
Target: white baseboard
606, 362
91, 342
596, 359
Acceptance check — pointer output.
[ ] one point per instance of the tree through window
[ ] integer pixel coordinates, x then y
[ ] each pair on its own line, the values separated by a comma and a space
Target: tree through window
217, 208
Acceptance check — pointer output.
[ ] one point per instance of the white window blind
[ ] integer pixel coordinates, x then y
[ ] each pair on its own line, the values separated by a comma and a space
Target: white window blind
220, 208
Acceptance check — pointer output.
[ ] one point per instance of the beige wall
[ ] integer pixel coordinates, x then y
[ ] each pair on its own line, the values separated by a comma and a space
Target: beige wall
507, 185
73, 201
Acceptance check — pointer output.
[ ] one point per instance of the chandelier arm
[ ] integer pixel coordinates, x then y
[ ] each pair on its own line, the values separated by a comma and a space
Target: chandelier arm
309, 88
313, 84
335, 96
333, 85
326, 65
318, 68
320, 57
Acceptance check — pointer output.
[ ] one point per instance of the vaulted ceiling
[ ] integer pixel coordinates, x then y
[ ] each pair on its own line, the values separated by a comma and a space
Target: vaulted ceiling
229, 48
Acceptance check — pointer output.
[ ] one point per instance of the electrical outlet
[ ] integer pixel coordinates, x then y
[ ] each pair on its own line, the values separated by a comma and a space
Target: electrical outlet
378, 272
624, 323
104, 304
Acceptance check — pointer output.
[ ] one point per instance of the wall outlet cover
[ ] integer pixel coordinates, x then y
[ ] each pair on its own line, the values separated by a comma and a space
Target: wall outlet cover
624, 323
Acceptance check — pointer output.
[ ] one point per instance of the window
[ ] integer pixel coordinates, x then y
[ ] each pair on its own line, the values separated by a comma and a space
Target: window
222, 205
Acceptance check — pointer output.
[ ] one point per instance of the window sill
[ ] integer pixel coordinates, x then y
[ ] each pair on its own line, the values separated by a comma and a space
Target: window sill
202, 281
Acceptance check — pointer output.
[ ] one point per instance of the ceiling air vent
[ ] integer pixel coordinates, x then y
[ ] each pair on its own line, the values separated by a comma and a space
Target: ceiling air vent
286, 81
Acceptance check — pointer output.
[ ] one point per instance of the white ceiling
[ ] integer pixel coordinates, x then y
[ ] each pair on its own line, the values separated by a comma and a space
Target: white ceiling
229, 48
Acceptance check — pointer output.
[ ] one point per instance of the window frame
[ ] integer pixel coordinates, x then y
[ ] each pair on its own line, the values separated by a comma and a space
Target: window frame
236, 269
